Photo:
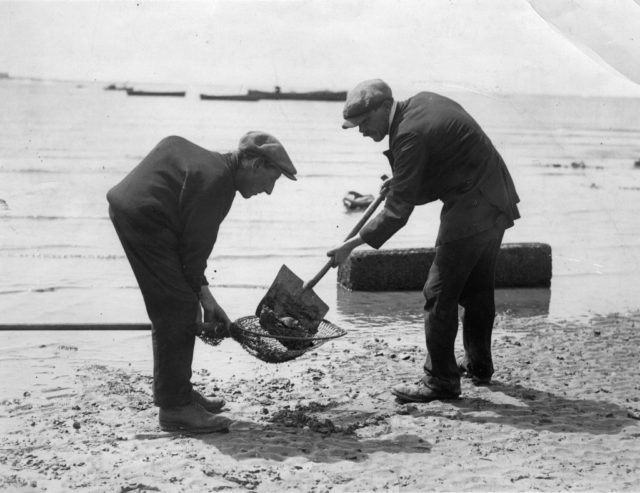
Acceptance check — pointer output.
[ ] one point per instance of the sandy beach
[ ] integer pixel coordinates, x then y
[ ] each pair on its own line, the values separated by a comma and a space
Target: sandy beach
562, 414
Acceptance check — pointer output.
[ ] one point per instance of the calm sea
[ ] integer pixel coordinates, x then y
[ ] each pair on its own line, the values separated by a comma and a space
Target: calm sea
63, 145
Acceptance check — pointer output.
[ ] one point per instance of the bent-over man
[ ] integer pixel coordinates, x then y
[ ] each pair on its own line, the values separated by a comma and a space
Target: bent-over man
167, 212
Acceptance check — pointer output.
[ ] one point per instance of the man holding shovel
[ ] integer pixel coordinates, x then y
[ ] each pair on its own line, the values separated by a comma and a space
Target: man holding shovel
167, 212
437, 151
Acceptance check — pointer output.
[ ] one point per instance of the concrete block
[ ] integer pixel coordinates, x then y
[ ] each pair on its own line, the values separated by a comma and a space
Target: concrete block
519, 265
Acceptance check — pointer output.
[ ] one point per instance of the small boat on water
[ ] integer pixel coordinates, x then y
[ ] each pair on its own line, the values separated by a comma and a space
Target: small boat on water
255, 95
299, 96
114, 87
229, 97
354, 200
134, 92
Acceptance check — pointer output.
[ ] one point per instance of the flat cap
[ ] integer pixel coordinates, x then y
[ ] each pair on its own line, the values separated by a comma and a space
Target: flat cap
267, 146
365, 97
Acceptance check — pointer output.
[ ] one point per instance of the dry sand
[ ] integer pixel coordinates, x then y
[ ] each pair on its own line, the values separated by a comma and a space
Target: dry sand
562, 414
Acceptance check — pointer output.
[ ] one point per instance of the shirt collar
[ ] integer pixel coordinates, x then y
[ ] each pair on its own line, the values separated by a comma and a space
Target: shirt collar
392, 113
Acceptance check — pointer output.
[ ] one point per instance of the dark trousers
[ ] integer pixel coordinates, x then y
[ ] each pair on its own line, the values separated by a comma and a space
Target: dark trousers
462, 273
171, 304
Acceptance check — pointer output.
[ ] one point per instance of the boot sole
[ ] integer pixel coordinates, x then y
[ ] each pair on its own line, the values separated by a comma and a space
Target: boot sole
408, 398
215, 411
188, 429
481, 382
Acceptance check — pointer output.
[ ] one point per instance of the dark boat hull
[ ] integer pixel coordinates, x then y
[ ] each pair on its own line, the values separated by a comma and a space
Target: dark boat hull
300, 96
178, 94
115, 87
231, 97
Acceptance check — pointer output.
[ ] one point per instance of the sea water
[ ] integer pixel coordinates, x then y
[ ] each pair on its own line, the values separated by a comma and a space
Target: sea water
63, 145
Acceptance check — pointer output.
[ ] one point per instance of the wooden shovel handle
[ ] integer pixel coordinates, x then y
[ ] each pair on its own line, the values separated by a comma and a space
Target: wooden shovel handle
365, 217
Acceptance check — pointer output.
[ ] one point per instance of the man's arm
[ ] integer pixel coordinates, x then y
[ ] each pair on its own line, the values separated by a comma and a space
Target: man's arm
405, 190
204, 203
213, 312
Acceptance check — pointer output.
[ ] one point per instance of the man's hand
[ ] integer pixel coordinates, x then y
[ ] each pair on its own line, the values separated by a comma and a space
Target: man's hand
340, 253
384, 188
213, 312
213, 330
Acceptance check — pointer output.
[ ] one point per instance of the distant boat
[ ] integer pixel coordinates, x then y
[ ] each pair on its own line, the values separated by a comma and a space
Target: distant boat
133, 92
299, 96
4, 75
113, 87
254, 95
354, 200
229, 97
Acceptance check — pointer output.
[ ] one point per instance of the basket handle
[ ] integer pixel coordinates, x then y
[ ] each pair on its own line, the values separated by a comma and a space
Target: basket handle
365, 217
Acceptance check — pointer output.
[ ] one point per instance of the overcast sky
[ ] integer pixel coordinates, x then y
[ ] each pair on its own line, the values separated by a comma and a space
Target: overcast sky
539, 46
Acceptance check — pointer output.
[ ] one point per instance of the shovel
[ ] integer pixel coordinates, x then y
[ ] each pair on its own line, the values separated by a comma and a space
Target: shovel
289, 296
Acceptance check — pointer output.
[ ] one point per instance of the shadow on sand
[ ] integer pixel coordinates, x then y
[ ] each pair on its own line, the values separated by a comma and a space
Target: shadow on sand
527, 409
249, 439
539, 411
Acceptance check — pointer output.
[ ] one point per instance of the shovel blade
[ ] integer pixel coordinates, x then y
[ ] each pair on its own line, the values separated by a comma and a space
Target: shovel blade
286, 298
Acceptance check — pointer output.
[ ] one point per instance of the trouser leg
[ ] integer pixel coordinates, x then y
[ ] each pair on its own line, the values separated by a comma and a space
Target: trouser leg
171, 305
452, 266
478, 301
173, 345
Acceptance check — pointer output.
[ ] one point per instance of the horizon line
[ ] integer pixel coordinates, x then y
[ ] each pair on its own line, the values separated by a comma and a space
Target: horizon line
437, 86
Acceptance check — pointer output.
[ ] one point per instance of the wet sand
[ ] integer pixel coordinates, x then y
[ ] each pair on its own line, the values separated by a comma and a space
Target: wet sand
562, 414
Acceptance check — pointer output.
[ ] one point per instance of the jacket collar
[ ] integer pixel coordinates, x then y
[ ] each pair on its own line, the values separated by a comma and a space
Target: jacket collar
233, 163
392, 114
394, 121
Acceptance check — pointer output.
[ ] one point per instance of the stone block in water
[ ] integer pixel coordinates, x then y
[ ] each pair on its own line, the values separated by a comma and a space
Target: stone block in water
519, 265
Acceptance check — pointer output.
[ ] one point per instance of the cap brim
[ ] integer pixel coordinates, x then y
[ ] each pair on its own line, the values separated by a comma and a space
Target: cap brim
289, 175
355, 121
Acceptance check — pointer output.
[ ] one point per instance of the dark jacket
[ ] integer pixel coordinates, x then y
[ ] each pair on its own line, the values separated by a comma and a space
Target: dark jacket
185, 189
438, 151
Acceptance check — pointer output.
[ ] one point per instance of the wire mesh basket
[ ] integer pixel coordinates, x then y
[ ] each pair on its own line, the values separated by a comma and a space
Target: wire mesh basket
271, 345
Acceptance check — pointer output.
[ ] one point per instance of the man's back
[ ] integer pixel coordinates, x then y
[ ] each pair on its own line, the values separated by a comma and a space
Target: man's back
455, 152
168, 180
441, 153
